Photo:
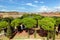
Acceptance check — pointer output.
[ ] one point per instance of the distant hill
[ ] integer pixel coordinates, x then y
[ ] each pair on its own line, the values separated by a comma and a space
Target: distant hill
18, 14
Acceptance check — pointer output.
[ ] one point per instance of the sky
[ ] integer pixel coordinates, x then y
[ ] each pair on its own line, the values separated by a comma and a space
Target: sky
30, 5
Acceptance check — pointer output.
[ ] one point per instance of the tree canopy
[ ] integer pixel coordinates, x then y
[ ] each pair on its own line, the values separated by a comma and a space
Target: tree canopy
8, 19
25, 15
36, 16
3, 24
29, 22
47, 23
16, 22
57, 21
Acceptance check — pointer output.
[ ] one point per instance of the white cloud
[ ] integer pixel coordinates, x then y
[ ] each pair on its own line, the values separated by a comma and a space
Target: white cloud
16, 9
36, 1
45, 9
30, 4
7, 10
3, 10
42, 2
57, 8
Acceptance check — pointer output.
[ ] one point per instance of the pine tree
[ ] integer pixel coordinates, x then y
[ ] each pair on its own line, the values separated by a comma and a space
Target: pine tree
9, 32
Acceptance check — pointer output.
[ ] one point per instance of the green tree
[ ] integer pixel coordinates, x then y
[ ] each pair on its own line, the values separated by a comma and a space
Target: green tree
3, 25
9, 33
25, 15
1, 19
29, 23
47, 24
16, 22
8, 19
57, 21
36, 17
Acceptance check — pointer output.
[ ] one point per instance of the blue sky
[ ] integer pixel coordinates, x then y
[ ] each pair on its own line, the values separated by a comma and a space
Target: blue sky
30, 5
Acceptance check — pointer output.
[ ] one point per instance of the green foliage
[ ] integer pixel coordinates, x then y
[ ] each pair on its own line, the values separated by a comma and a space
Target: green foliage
57, 21
47, 23
8, 19
16, 22
36, 16
9, 33
25, 15
29, 22
19, 18
0, 19
3, 24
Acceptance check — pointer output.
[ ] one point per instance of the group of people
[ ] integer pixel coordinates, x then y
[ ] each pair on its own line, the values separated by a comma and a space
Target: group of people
20, 27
